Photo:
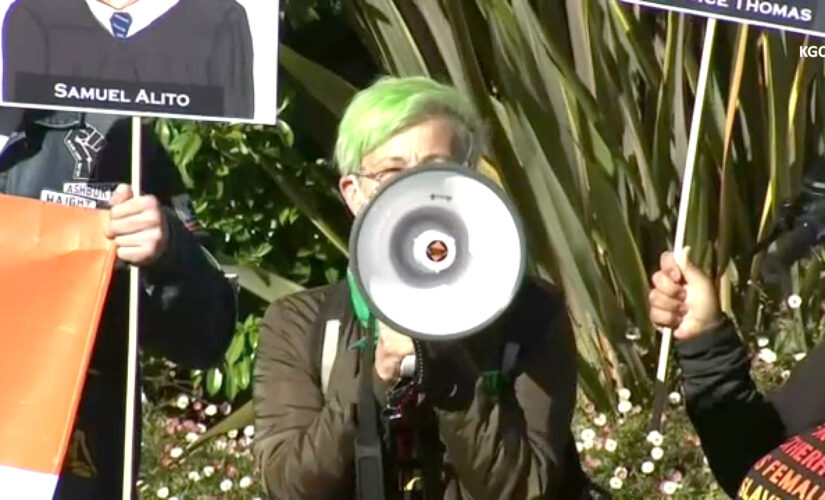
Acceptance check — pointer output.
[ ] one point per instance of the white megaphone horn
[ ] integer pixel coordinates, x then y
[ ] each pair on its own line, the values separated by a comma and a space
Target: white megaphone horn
438, 253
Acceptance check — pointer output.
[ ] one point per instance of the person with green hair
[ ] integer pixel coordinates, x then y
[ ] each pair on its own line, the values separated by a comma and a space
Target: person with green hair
476, 439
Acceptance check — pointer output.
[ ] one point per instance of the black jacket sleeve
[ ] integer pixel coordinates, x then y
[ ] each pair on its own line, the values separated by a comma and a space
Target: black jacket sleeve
189, 307
231, 65
736, 423
24, 47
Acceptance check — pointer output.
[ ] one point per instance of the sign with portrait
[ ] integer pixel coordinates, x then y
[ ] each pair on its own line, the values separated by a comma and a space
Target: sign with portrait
197, 59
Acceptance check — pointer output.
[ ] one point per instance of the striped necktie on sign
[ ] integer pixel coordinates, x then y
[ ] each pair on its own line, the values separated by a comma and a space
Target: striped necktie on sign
120, 24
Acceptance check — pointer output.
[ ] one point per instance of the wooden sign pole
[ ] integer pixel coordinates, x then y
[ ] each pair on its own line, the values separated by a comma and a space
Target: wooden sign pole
660, 393
132, 353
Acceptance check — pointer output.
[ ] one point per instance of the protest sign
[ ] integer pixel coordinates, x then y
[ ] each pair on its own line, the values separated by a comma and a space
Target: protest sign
802, 16
199, 59
55, 268
195, 59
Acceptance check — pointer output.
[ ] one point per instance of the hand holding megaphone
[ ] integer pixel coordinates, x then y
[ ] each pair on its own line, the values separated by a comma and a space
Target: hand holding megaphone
391, 353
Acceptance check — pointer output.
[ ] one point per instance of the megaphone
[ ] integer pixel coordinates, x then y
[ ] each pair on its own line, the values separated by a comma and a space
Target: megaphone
438, 253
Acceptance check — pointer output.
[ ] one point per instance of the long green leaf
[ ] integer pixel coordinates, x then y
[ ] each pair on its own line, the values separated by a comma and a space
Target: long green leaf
332, 91
240, 418
262, 283
308, 207
398, 49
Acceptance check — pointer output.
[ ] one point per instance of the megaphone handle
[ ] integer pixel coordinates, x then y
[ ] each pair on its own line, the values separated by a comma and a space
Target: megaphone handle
408, 366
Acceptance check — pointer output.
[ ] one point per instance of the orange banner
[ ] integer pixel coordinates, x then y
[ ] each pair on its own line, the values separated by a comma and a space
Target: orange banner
55, 268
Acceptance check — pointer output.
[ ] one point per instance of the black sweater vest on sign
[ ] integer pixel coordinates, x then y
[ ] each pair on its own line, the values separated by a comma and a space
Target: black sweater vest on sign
203, 43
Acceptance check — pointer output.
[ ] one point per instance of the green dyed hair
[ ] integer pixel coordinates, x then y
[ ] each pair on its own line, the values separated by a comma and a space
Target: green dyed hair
391, 105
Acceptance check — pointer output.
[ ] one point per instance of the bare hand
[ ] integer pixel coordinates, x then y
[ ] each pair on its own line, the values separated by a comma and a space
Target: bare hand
682, 298
138, 227
392, 348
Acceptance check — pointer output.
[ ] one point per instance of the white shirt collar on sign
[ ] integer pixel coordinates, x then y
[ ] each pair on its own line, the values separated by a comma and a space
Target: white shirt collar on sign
143, 12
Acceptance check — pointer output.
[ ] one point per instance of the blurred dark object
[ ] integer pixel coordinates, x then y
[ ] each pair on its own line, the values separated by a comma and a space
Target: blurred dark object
800, 225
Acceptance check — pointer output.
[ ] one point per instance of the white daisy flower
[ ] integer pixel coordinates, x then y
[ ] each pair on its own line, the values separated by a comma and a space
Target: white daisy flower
245, 482
655, 438
648, 467
625, 407
176, 452
669, 487
624, 394
201, 428
194, 476
794, 301
249, 430
232, 434
211, 410
610, 445
191, 437
208, 471
588, 445
182, 402
675, 398
767, 355
620, 472
162, 492
762, 341
579, 446
226, 485
616, 483
657, 453
588, 435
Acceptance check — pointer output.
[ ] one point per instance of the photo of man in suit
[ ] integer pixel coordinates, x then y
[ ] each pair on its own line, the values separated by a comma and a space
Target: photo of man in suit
101, 49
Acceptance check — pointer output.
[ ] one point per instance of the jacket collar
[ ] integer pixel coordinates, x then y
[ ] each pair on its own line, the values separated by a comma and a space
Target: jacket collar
57, 119
338, 304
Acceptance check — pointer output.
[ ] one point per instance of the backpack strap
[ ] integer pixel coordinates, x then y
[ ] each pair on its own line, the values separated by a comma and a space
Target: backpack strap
332, 331
326, 328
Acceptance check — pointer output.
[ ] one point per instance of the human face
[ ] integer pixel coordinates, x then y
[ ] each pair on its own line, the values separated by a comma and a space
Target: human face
430, 140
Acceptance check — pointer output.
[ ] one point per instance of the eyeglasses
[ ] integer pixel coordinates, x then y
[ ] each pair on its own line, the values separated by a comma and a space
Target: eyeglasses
397, 166
388, 173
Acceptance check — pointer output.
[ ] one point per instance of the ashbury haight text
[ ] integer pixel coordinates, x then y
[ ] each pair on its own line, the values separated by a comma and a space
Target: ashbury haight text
121, 96
778, 10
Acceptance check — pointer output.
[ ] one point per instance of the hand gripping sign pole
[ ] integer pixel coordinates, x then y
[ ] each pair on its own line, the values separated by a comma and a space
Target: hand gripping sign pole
131, 367
684, 204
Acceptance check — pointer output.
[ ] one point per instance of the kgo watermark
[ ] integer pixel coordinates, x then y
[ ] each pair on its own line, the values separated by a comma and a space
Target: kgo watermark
812, 51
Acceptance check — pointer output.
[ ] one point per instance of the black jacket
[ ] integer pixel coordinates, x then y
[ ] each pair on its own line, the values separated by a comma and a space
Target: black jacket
736, 423
187, 307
